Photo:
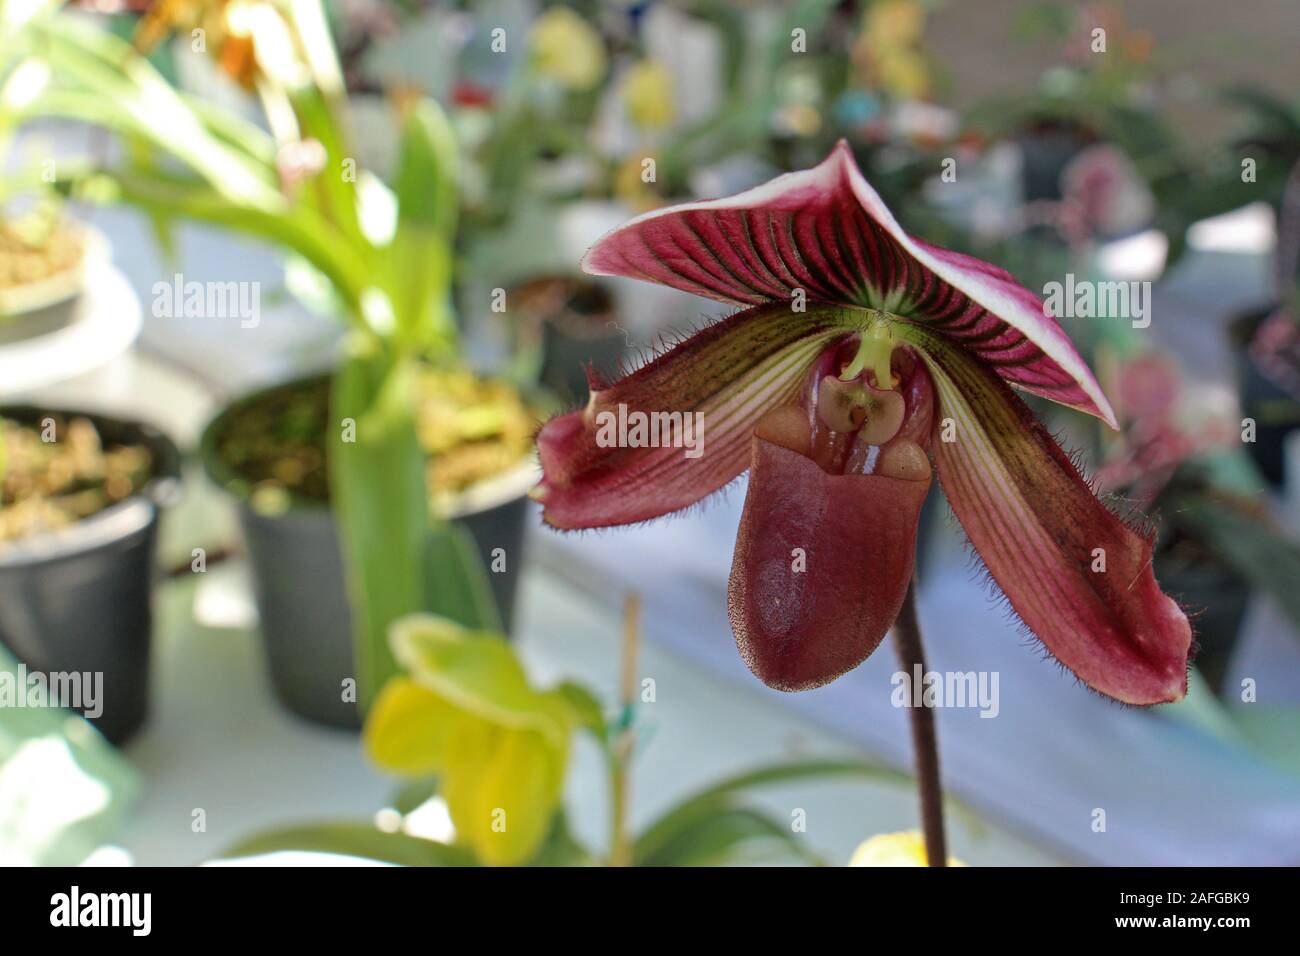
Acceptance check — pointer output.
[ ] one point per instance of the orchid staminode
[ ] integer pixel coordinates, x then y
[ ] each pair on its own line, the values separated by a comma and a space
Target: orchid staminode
864, 361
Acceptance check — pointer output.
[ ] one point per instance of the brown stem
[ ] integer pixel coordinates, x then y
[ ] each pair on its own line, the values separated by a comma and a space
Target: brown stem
620, 844
925, 744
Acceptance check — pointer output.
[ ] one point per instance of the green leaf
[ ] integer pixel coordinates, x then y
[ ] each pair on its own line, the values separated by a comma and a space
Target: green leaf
685, 817
457, 586
120, 89
331, 193
1272, 733
380, 501
425, 182
587, 709
420, 258
353, 838
1252, 548
143, 161
299, 229
560, 848
723, 835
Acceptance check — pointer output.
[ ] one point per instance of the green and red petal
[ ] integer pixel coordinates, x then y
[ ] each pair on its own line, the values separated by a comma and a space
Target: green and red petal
1077, 575
731, 373
825, 231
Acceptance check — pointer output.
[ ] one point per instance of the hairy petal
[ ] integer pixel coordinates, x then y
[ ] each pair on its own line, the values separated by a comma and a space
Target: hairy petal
730, 373
822, 561
1078, 576
827, 232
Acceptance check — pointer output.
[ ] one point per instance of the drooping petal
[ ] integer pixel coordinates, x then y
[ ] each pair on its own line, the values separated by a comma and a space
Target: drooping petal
827, 232
822, 561
1077, 575
718, 383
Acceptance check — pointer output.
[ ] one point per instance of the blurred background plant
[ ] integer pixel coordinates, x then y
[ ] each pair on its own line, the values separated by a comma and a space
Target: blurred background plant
378, 256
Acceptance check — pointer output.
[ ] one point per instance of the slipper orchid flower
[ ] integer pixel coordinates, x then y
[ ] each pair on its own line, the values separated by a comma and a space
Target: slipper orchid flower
864, 358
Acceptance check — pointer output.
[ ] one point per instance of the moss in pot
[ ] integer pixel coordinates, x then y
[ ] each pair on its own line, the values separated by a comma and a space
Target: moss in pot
80, 495
270, 450
42, 260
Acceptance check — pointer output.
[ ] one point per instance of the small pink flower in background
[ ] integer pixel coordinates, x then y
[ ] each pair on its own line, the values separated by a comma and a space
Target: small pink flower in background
1155, 439
1103, 195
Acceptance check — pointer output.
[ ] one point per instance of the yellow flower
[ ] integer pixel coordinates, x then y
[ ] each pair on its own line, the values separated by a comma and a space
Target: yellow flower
247, 37
894, 849
799, 119
894, 23
466, 713
890, 48
904, 74
631, 188
648, 95
567, 49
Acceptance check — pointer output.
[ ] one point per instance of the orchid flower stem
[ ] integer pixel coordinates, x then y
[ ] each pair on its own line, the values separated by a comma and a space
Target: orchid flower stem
620, 853
925, 743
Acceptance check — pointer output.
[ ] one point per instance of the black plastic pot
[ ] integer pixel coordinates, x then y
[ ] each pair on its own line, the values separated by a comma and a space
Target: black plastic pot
77, 600
576, 317
300, 587
1260, 398
1047, 147
566, 356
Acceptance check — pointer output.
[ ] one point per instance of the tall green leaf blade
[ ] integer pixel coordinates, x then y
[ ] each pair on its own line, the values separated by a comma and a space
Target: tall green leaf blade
333, 190
380, 501
299, 228
142, 102
456, 583
425, 182
420, 254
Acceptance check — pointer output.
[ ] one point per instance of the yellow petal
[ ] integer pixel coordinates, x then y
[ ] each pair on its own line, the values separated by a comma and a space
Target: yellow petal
409, 728
567, 49
894, 849
504, 793
648, 94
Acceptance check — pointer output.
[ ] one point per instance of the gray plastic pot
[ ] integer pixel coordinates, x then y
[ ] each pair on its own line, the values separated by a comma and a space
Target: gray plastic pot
566, 356
576, 318
300, 587
77, 600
